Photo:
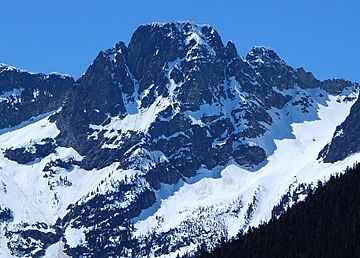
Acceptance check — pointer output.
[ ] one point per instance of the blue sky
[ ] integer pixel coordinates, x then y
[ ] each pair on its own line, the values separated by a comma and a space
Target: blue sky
65, 36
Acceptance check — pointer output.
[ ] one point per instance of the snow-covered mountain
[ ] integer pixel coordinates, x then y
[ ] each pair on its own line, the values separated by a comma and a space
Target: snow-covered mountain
164, 146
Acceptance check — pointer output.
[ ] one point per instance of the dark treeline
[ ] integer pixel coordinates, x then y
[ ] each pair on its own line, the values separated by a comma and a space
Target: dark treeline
326, 224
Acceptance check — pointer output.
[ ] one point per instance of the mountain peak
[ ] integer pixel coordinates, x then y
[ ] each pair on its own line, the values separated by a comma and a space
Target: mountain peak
180, 25
262, 56
231, 50
166, 42
10, 68
6, 67
178, 28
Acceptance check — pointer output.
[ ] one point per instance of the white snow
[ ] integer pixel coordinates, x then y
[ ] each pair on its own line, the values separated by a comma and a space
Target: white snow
74, 236
62, 75
195, 121
339, 133
11, 95
138, 122
33, 132
36, 93
56, 251
172, 87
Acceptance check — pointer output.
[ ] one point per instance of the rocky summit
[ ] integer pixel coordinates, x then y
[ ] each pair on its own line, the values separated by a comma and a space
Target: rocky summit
165, 146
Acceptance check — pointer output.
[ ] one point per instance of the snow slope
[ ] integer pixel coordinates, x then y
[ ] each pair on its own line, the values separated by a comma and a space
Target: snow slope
294, 161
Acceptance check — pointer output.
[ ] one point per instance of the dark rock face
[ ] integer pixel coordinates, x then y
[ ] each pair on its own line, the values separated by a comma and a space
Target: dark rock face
243, 154
6, 215
32, 242
346, 139
24, 95
337, 85
31, 153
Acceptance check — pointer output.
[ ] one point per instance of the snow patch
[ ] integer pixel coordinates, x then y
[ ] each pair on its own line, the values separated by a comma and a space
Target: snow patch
74, 237
12, 95
139, 122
